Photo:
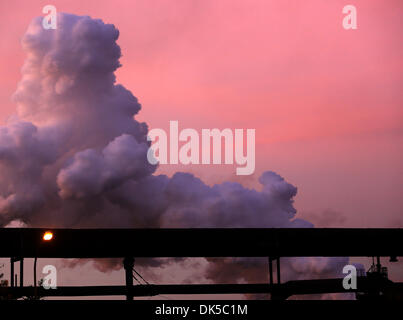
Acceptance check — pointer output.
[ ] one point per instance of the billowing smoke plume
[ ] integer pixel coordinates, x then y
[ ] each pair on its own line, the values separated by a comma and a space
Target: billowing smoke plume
74, 155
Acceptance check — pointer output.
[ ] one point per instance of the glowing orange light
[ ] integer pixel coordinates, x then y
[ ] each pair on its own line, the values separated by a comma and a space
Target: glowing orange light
47, 236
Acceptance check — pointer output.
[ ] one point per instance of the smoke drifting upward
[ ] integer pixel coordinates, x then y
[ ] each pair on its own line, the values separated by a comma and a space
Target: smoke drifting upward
74, 155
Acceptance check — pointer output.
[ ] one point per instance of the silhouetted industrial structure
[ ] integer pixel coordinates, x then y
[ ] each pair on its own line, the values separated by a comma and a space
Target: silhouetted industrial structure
128, 244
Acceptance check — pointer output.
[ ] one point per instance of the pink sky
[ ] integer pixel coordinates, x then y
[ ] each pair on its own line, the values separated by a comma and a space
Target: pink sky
326, 103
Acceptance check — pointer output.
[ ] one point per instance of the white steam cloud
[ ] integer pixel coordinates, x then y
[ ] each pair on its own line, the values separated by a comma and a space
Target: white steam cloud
74, 155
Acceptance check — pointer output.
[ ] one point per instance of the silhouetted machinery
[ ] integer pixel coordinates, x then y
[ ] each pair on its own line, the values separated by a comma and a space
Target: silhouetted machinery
378, 286
20, 243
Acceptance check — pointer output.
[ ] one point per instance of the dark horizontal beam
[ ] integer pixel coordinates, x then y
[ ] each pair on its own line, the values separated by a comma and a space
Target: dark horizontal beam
297, 287
118, 243
138, 290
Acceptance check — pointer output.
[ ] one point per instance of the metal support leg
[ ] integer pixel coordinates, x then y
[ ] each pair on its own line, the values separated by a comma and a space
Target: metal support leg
128, 264
12, 272
378, 265
275, 291
22, 272
278, 271
271, 270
